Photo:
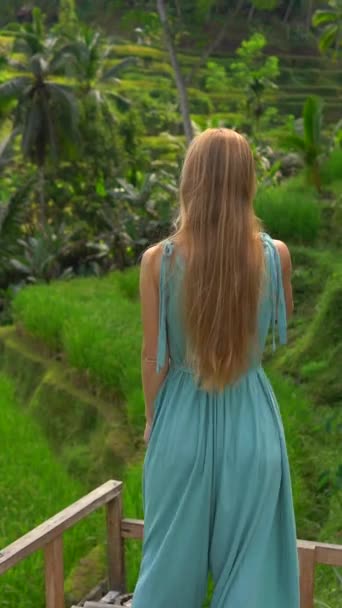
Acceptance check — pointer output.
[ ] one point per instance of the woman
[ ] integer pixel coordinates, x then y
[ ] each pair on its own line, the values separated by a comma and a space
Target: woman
217, 488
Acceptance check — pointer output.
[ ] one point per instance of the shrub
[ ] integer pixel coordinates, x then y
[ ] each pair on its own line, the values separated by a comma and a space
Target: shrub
216, 80
289, 211
332, 168
160, 146
316, 355
200, 103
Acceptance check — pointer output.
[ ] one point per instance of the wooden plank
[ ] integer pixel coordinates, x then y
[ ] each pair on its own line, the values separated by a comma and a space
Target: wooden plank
54, 527
110, 597
96, 593
132, 528
54, 574
325, 553
115, 545
329, 554
95, 605
307, 573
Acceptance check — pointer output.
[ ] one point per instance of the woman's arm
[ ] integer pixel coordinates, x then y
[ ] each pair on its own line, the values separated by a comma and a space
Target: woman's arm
149, 296
286, 266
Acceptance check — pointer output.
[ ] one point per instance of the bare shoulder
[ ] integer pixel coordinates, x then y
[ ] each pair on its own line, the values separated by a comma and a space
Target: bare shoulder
150, 261
284, 254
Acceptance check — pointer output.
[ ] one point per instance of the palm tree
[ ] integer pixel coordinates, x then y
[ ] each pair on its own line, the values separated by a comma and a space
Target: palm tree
309, 144
45, 111
331, 22
67, 19
88, 60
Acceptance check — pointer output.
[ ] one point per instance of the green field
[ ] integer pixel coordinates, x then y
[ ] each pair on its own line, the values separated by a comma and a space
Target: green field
33, 487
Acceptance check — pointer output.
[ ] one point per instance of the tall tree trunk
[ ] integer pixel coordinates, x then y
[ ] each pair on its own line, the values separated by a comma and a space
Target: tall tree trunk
41, 197
180, 83
309, 11
251, 13
238, 7
288, 11
178, 8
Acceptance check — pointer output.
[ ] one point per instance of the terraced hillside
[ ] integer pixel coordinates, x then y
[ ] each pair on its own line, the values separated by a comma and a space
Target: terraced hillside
300, 76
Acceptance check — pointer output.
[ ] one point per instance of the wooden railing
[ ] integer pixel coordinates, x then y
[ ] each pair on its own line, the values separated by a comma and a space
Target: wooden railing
49, 538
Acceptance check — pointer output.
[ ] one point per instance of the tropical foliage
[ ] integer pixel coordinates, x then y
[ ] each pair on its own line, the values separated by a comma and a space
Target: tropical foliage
45, 112
257, 73
330, 23
309, 141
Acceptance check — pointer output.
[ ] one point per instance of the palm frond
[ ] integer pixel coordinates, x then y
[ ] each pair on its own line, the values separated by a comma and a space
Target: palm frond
12, 89
6, 147
71, 50
312, 115
63, 60
67, 102
114, 71
27, 42
329, 37
323, 18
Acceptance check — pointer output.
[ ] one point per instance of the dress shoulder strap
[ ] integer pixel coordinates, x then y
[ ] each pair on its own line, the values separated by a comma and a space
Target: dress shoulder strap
277, 291
168, 248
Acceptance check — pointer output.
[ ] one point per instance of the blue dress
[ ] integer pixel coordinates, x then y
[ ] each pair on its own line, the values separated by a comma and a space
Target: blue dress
217, 486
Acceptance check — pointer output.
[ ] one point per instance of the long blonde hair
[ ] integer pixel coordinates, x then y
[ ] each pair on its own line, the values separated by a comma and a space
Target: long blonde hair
225, 259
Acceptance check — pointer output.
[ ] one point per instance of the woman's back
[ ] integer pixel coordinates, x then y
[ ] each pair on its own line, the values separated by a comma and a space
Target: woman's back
172, 333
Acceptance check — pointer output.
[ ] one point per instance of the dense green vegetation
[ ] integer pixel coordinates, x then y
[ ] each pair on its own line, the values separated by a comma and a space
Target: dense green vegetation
92, 134
96, 324
33, 487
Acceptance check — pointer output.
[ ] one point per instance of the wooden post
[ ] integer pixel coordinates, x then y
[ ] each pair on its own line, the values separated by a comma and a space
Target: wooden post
116, 556
307, 575
54, 574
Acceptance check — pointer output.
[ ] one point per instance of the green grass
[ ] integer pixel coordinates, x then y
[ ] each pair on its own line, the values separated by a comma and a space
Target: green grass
314, 359
96, 324
332, 168
33, 487
289, 211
